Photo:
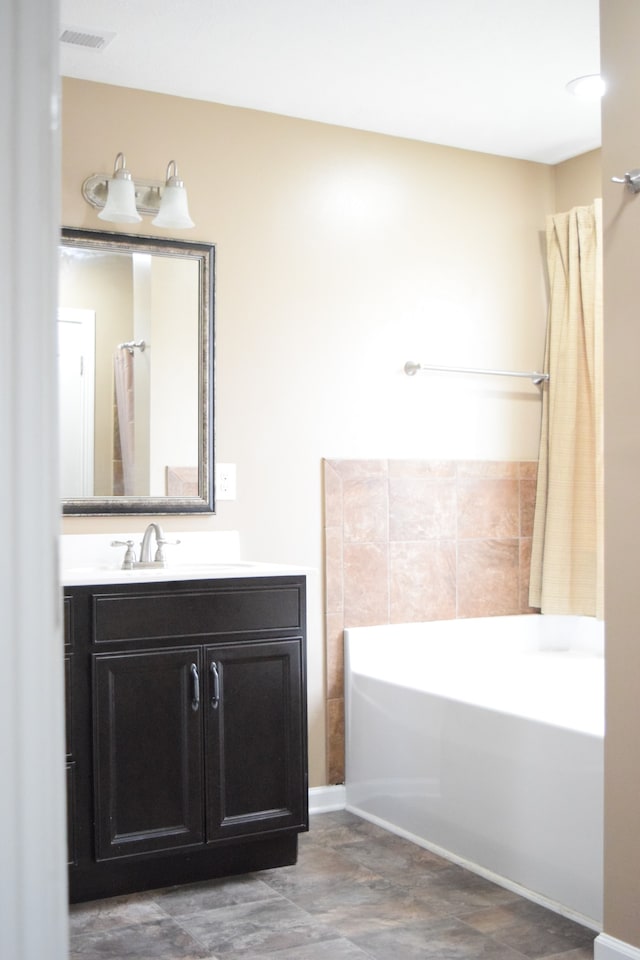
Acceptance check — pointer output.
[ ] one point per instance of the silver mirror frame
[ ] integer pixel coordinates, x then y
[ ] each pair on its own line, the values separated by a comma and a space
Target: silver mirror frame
204, 253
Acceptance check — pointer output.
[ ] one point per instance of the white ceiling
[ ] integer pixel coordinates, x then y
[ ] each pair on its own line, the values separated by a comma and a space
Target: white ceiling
485, 75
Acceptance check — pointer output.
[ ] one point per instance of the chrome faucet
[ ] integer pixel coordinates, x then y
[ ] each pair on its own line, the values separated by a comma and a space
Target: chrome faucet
159, 560
145, 546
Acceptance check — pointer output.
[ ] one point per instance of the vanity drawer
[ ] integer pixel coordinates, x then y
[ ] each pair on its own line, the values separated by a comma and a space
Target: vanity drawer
172, 614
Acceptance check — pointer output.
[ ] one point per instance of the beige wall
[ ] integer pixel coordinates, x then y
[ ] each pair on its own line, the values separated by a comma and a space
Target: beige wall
340, 255
578, 181
620, 28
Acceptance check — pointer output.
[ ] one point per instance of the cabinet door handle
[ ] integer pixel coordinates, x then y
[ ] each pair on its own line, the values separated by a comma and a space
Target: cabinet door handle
195, 701
215, 685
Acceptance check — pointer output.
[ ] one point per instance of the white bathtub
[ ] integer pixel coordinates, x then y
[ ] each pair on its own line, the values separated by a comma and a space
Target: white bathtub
483, 740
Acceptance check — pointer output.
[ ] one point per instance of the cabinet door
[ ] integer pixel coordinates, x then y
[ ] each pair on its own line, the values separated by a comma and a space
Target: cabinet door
147, 751
255, 739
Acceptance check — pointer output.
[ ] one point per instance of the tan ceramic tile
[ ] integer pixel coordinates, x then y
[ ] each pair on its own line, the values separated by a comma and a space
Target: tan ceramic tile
496, 469
334, 574
366, 509
332, 495
335, 656
421, 508
527, 505
335, 740
488, 509
422, 468
528, 469
359, 469
366, 584
422, 581
488, 578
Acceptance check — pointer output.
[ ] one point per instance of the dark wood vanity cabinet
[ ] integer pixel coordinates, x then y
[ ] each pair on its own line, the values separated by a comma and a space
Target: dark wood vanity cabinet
187, 711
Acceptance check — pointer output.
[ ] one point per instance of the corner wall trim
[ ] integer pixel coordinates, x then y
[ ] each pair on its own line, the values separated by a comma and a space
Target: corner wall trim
608, 948
326, 799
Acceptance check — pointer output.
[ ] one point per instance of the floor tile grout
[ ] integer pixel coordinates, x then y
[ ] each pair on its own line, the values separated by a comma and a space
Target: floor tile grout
357, 893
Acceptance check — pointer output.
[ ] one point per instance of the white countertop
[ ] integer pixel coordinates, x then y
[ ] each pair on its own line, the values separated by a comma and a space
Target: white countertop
87, 559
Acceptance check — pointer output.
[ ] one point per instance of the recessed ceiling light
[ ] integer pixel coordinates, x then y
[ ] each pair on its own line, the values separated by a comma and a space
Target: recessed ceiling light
591, 87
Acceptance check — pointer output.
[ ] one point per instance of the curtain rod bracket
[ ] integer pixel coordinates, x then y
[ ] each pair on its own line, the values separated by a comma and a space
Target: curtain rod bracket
140, 345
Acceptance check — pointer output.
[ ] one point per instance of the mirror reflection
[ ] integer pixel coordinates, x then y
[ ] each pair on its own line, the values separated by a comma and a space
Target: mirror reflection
135, 336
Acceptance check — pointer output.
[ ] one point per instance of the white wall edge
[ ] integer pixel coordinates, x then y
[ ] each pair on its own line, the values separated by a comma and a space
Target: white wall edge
608, 948
326, 799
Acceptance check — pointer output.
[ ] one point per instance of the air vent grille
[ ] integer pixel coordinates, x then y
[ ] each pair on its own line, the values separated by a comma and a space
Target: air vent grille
78, 37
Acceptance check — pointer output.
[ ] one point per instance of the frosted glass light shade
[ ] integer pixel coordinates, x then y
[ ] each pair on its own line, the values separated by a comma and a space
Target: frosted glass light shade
174, 210
121, 201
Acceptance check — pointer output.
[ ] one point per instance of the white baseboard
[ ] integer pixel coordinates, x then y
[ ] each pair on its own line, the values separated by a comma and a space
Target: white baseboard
608, 948
326, 799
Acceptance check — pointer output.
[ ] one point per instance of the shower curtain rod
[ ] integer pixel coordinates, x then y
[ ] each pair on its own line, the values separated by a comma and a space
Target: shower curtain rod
411, 368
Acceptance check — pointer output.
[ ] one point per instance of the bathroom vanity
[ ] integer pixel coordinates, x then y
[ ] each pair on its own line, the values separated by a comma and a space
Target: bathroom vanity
186, 726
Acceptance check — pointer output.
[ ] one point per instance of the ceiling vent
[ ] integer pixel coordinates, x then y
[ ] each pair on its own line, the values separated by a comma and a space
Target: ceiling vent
89, 39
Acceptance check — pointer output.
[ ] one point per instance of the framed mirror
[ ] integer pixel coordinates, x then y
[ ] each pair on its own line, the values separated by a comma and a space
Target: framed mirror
136, 374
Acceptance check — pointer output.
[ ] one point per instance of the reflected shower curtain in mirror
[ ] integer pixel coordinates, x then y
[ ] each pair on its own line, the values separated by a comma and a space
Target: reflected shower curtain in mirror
568, 533
123, 426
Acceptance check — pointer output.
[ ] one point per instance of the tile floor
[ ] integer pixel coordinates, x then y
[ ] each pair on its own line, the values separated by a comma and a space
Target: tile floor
356, 893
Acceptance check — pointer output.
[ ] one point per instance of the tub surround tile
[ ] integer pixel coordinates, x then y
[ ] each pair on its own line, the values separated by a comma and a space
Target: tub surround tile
527, 505
359, 469
366, 584
490, 469
422, 508
528, 469
488, 578
366, 510
335, 740
335, 656
411, 540
423, 468
334, 571
332, 495
422, 581
488, 509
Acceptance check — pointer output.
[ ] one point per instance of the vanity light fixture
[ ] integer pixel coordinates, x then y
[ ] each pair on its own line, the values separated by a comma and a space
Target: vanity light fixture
121, 199
121, 196
174, 211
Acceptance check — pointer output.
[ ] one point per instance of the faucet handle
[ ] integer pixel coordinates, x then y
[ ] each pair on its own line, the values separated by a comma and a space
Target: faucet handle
129, 556
161, 542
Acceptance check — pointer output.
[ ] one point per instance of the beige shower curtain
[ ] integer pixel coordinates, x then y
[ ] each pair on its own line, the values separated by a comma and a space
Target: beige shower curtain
568, 534
124, 425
